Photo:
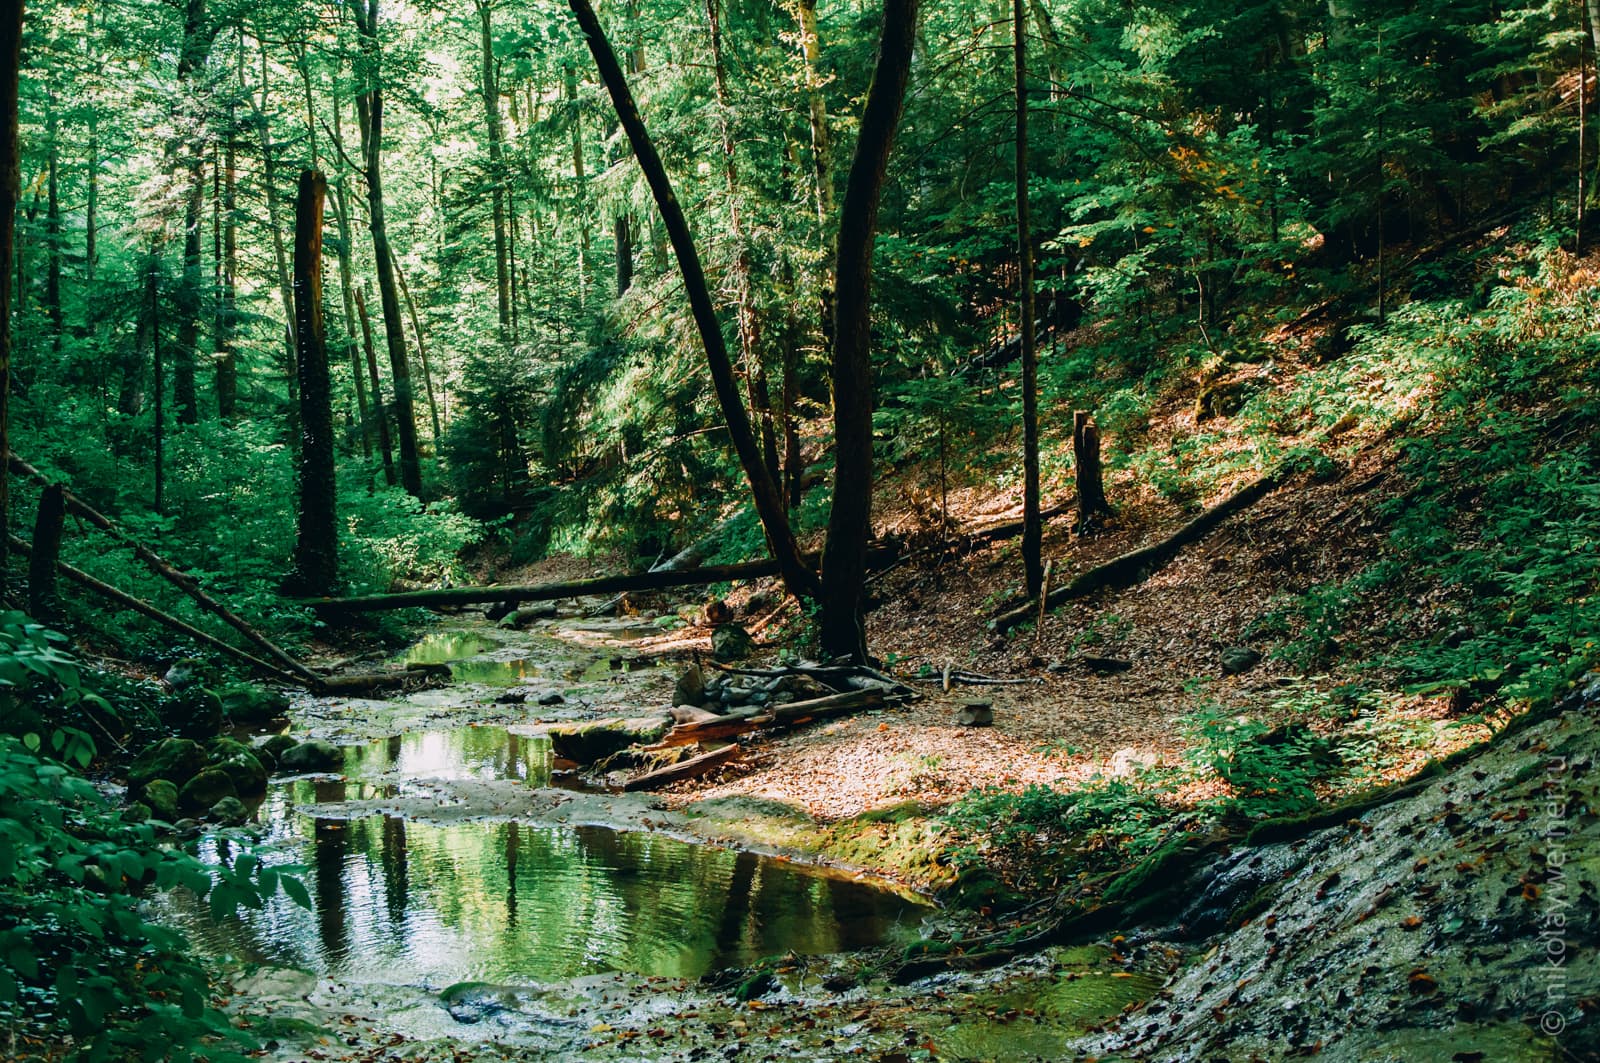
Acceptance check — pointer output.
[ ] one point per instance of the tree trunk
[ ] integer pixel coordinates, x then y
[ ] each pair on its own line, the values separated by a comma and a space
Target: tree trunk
52, 224
227, 368
768, 503
422, 351
1092, 505
10, 192
821, 146
153, 294
491, 111
342, 201
316, 555
622, 237
850, 519
380, 414
42, 602
1032, 529
369, 109
196, 47
269, 173
580, 190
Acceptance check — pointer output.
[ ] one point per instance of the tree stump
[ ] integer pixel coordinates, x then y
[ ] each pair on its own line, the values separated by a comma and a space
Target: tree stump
1092, 505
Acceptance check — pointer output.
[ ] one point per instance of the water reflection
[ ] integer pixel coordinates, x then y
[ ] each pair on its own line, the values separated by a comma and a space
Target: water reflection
482, 753
506, 902
461, 650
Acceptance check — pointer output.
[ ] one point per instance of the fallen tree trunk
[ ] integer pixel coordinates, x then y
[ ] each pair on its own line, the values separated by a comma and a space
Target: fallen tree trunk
169, 572
1138, 565
692, 768
144, 608
544, 592
789, 715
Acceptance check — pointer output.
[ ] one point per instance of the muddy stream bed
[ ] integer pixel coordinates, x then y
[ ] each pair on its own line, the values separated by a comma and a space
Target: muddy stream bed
469, 899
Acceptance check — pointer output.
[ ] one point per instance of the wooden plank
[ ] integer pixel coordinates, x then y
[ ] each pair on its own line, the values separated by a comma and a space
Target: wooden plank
692, 768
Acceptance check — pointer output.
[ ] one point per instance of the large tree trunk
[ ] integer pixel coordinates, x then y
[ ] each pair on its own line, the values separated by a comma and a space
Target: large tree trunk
821, 144
379, 413
491, 111
227, 367
850, 520
52, 224
422, 351
196, 47
316, 555
769, 506
1032, 529
369, 109
342, 201
580, 189
270, 175
10, 190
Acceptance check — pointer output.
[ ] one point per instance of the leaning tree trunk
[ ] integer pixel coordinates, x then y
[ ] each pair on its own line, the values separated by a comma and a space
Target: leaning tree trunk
798, 578
1032, 530
196, 47
369, 109
491, 112
844, 557
316, 557
10, 189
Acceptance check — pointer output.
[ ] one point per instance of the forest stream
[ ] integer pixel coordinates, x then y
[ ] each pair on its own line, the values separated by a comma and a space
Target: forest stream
464, 889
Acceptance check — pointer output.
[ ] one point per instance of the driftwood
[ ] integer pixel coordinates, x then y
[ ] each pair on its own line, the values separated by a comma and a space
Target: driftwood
950, 676
167, 571
144, 608
841, 677
1138, 565
692, 768
545, 592
792, 714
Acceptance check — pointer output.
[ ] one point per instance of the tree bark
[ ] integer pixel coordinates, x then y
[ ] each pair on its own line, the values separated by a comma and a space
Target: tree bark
316, 551
850, 519
42, 602
52, 224
422, 352
491, 111
269, 173
369, 109
341, 202
10, 192
1032, 526
379, 413
1092, 505
196, 47
799, 579
227, 367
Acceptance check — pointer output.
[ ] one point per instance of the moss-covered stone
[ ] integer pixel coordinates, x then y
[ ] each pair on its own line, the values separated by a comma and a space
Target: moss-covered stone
272, 750
312, 755
175, 759
193, 712
230, 811
162, 797
596, 740
248, 703
205, 790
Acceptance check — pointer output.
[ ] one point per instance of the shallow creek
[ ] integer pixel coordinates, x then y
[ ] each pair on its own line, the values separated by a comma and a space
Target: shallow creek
464, 889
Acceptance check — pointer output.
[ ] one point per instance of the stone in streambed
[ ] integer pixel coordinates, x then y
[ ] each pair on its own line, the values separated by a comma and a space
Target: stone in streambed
312, 755
730, 642
206, 789
1237, 660
596, 740
176, 759
976, 714
690, 688
230, 811
162, 797
273, 749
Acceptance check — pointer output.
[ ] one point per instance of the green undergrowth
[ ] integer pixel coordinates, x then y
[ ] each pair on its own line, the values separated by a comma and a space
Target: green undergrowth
83, 973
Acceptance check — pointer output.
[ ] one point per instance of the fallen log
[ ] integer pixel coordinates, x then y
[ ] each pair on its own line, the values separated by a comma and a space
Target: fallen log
1138, 565
545, 592
165, 619
692, 768
792, 714
169, 572
844, 677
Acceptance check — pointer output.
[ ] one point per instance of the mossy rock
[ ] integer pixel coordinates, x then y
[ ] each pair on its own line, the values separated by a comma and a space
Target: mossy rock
1223, 399
162, 797
175, 759
193, 712
249, 775
206, 789
596, 740
272, 750
230, 811
312, 755
248, 703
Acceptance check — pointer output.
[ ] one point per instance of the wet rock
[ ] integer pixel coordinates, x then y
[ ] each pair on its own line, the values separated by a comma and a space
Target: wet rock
1237, 660
499, 610
692, 714
272, 750
177, 759
161, 795
527, 615
690, 688
1105, 665
312, 755
193, 712
138, 812
230, 811
248, 703
596, 740
206, 789
976, 714
552, 698
249, 775
730, 642
184, 673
